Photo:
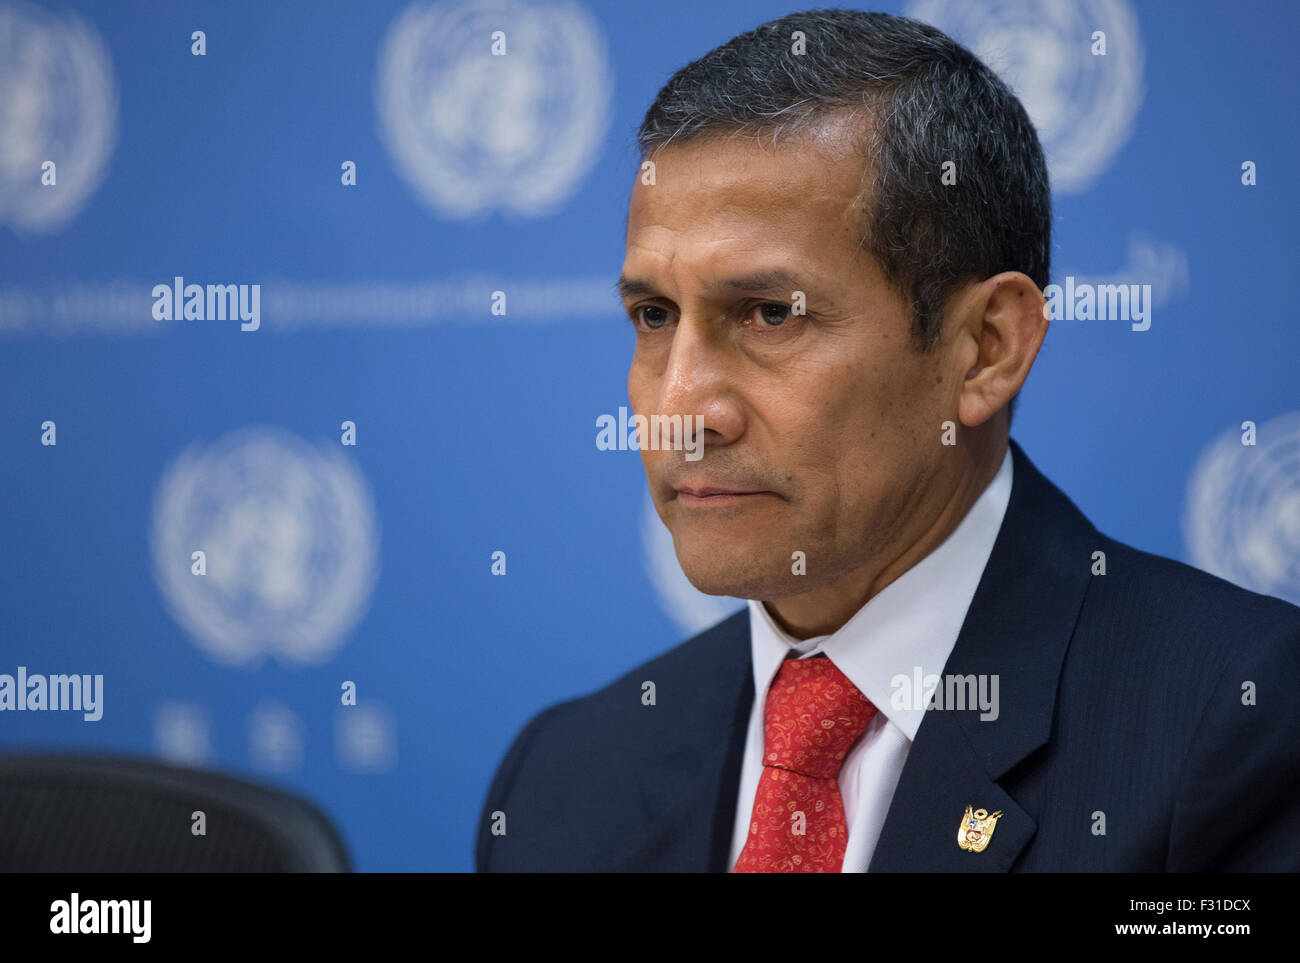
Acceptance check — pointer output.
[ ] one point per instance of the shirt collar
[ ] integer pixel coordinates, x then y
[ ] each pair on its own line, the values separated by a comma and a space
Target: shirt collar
910, 627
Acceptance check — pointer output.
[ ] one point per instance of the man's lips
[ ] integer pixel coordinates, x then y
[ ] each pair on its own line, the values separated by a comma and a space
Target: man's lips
706, 491
712, 495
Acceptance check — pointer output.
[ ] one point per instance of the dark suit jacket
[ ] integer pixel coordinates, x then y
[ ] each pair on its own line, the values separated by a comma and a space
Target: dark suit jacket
1120, 694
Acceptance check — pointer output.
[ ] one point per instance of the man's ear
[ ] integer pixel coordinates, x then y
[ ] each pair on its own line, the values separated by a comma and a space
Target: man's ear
1000, 325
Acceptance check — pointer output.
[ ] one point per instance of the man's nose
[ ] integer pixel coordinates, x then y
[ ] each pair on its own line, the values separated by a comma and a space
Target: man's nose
699, 379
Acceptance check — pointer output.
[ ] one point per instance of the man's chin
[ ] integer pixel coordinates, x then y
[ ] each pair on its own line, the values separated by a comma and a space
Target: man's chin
742, 576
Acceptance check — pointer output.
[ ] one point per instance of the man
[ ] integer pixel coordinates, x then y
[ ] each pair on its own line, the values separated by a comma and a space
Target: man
835, 255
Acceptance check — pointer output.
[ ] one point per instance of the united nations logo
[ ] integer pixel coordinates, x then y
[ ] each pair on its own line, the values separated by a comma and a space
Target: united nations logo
689, 608
289, 543
1242, 519
1082, 103
58, 104
493, 104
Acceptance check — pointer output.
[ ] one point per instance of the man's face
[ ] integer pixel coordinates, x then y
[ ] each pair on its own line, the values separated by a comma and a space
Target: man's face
821, 430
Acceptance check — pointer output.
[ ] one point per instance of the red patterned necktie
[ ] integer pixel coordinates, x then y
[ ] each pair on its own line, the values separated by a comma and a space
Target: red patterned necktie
813, 716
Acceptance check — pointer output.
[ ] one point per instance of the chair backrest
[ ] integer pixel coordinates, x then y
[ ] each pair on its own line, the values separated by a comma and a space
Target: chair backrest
93, 814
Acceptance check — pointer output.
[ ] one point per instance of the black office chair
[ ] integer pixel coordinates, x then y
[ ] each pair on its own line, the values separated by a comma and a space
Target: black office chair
98, 814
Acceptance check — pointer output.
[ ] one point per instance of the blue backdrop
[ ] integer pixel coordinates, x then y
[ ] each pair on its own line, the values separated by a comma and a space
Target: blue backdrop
222, 157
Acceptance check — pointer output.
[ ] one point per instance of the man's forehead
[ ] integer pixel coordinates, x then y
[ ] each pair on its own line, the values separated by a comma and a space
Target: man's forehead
713, 188
748, 178
741, 250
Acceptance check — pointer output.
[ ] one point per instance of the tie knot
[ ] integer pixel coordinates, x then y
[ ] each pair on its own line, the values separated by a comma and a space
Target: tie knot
813, 716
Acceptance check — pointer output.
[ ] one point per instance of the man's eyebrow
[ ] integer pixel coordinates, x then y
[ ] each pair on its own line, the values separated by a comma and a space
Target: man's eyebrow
755, 282
631, 287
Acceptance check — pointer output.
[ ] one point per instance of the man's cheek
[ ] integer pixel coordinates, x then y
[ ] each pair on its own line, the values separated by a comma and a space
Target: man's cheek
656, 475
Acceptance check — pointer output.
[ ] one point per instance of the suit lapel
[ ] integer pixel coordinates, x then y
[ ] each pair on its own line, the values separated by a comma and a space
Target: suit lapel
942, 777
1017, 628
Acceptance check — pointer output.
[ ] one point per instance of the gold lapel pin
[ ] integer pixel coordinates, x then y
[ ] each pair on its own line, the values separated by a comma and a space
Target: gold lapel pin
976, 829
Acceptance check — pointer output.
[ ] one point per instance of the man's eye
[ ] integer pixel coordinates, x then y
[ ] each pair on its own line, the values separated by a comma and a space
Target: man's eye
774, 318
650, 316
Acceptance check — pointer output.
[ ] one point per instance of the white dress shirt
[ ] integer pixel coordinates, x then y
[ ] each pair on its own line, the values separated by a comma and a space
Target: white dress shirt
912, 623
